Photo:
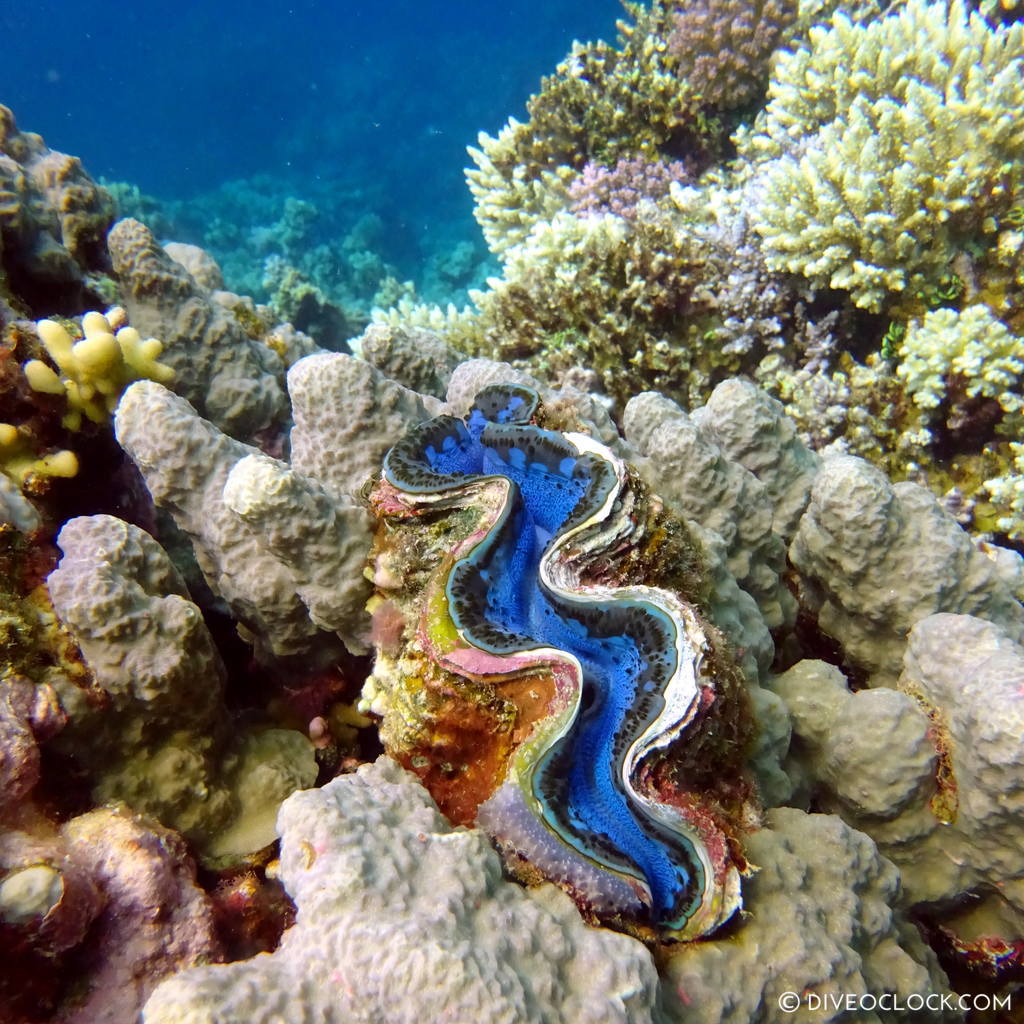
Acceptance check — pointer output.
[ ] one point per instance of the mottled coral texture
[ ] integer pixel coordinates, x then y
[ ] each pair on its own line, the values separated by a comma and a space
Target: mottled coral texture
723, 46
403, 919
621, 188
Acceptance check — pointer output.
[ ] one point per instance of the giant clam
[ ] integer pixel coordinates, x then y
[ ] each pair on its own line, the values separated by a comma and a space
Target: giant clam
540, 683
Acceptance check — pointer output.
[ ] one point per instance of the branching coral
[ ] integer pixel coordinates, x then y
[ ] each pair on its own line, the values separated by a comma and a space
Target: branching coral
95, 370
619, 189
601, 104
723, 46
888, 147
949, 355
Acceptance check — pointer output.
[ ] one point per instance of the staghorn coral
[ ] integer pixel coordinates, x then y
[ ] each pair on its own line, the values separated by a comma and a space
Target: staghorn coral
886, 148
1006, 494
600, 292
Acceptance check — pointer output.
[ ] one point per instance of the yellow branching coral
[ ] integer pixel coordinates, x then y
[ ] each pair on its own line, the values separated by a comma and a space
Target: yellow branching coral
970, 349
885, 148
1006, 494
94, 371
19, 460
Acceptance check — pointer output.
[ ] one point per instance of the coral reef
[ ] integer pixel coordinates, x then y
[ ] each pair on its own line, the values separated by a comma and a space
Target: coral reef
859, 534
404, 918
632, 564
723, 47
152, 730
247, 556
217, 367
803, 941
53, 220
849, 196
926, 770
95, 370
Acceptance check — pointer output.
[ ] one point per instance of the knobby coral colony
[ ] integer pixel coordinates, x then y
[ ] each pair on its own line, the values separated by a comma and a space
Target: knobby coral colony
629, 663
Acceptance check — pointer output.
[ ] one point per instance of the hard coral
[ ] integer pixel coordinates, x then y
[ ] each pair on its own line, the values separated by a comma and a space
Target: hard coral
95, 370
53, 219
889, 147
723, 47
620, 189
601, 104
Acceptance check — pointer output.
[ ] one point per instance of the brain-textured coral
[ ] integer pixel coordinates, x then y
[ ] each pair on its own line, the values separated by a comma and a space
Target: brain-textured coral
889, 146
228, 377
152, 730
53, 219
803, 939
403, 918
271, 537
923, 769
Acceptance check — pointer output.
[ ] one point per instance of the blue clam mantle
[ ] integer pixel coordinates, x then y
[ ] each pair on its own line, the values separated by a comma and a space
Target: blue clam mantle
574, 804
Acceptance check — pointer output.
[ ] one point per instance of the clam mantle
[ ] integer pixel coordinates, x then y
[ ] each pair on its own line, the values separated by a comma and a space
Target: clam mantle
533, 673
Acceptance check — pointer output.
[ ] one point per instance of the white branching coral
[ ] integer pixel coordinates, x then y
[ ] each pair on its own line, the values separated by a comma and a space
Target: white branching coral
884, 147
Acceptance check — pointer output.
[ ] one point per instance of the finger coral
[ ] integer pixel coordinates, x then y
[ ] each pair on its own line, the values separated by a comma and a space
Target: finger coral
95, 370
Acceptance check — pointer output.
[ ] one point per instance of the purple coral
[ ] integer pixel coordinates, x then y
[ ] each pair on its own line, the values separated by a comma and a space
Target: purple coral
620, 189
723, 46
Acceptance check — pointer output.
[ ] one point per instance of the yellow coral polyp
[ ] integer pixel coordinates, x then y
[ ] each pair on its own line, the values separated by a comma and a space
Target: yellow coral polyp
94, 371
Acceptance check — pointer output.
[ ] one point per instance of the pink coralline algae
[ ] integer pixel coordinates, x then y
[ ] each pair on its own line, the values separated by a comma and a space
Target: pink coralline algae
621, 189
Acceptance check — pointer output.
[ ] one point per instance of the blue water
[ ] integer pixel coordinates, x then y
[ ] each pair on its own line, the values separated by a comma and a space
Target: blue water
375, 99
